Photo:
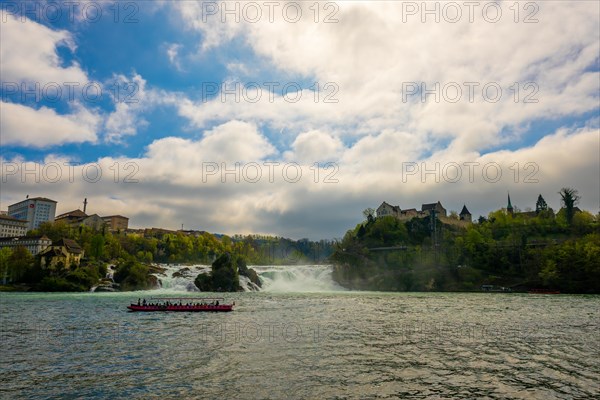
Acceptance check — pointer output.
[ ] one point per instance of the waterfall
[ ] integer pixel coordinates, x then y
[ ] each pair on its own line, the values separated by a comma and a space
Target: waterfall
297, 278
180, 278
107, 284
274, 278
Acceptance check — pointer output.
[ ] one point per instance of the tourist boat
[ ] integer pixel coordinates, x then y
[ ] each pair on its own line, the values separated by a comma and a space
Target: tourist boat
543, 291
182, 304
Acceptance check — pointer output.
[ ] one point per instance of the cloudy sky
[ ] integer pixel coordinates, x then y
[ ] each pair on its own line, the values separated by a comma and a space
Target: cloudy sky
290, 118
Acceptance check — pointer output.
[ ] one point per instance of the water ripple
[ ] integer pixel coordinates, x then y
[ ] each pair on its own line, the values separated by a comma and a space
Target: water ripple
347, 345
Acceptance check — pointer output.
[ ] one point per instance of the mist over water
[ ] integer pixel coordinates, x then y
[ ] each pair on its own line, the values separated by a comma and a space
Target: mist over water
274, 278
297, 278
180, 278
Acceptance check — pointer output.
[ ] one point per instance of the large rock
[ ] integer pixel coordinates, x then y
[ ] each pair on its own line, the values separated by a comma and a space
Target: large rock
248, 272
224, 276
204, 282
182, 273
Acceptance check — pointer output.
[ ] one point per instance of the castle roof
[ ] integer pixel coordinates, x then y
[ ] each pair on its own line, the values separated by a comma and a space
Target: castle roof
431, 206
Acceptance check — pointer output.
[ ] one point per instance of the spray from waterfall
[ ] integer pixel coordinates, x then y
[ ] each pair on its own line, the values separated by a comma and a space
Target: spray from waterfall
297, 278
274, 278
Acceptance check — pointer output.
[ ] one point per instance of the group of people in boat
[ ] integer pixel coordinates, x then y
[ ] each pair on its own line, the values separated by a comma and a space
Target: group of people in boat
167, 303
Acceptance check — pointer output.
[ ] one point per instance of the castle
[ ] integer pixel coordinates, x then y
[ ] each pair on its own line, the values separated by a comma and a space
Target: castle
386, 209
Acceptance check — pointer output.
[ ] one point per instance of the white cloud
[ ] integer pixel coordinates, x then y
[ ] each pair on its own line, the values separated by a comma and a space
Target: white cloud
29, 53
315, 146
26, 126
370, 133
131, 100
29, 56
183, 160
167, 185
173, 54
375, 48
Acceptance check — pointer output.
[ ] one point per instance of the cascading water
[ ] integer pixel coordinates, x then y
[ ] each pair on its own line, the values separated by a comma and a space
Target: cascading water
180, 278
297, 278
274, 278
108, 283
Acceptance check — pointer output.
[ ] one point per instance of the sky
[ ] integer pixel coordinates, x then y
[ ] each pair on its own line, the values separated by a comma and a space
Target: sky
291, 118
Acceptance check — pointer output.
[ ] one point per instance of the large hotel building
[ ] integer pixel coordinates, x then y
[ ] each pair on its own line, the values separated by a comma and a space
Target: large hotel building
34, 210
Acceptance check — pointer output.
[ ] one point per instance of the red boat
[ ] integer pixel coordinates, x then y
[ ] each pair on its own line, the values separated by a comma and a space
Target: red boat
543, 291
182, 304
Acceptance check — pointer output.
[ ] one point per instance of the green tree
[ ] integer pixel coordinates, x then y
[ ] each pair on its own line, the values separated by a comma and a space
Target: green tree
583, 222
369, 214
19, 263
134, 276
549, 274
569, 198
5, 254
97, 246
540, 205
53, 230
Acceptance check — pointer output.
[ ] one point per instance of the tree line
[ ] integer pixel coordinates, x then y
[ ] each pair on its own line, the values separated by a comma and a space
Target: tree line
133, 252
517, 250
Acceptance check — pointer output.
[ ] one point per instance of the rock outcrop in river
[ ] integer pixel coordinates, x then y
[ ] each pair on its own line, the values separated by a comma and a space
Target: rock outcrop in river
225, 275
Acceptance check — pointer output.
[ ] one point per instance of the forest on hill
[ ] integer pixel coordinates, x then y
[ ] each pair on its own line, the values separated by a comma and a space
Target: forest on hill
516, 251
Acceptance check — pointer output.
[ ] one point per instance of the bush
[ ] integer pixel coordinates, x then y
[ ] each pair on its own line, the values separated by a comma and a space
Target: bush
57, 284
134, 276
84, 276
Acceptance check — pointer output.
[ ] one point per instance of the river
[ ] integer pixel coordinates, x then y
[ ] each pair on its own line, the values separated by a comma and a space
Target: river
302, 340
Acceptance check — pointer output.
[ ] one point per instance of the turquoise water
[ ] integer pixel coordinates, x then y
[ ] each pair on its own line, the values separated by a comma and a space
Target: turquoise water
338, 345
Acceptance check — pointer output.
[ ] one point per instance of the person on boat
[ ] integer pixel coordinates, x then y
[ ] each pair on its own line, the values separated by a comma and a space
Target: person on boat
144, 302
217, 303
139, 301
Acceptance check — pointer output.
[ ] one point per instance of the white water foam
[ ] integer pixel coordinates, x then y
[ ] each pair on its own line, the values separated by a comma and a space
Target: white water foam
274, 278
296, 278
183, 281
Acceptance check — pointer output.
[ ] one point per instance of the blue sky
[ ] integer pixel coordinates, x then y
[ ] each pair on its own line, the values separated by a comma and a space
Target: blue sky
173, 58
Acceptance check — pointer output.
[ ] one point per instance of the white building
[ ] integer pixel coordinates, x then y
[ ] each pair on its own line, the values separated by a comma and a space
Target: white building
12, 227
35, 211
385, 210
33, 244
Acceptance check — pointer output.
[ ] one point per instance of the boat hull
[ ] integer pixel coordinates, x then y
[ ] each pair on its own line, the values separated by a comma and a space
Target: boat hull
543, 291
182, 308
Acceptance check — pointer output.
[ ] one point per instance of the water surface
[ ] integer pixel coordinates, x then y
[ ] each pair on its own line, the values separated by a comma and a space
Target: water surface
337, 345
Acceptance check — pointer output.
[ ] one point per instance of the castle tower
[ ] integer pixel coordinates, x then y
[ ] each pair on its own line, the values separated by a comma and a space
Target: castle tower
465, 215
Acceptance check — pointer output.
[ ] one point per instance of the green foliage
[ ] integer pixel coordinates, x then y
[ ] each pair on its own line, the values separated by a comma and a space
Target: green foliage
19, 263
132, 275
540, 205
59, 284
569, 198
97, 246
5, 254
518, 250
53, 230
85, 277
224, 276
78, 280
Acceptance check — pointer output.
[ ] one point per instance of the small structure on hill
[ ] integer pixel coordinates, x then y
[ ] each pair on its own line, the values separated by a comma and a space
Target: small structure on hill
65, 252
